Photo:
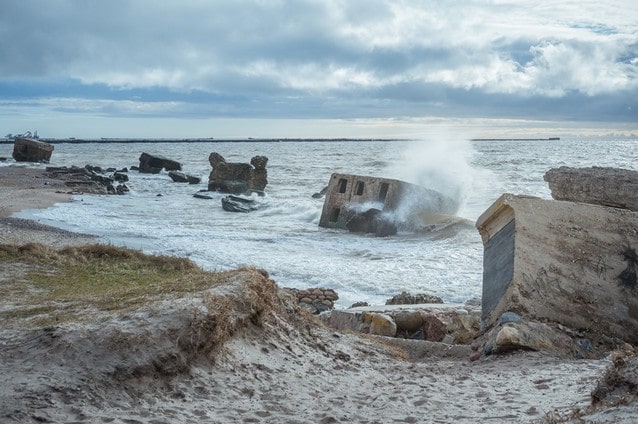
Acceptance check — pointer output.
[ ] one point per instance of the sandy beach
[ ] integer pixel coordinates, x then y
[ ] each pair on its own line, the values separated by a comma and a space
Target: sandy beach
179, 359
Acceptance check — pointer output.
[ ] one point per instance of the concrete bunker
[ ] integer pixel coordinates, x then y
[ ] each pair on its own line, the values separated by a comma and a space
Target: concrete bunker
562, 262
378, 205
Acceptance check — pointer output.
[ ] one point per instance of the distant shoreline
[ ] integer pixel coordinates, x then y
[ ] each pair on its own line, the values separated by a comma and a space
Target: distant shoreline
200, 140
244, 140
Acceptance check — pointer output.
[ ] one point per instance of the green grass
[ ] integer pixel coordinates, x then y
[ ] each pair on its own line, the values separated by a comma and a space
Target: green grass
49, 286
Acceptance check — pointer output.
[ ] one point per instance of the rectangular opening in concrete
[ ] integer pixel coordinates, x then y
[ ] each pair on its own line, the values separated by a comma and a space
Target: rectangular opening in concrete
359, 188
383, 192
343, 184
334, 217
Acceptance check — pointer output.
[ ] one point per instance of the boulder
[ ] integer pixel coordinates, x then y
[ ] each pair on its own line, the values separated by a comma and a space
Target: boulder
153, 164
238, 204
237, 178
596, 185
380, 324
181, 177
553, 261
30, 150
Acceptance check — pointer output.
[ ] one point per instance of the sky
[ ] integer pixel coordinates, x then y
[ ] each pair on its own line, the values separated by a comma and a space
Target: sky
318, 68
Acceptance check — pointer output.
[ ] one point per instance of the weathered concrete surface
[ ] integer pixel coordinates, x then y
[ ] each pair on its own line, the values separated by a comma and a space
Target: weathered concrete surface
379, 205
237, 178
601, 186
565, 262
30, 150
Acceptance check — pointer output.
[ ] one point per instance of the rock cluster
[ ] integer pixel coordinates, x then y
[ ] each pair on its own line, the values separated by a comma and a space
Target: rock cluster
405, 298
316, 300
91, 179
447, 323
237, 178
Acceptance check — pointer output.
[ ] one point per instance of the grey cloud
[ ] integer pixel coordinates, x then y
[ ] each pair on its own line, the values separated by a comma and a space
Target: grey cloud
329, 58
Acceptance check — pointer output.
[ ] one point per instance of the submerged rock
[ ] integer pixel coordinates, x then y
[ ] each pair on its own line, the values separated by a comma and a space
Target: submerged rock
238, 204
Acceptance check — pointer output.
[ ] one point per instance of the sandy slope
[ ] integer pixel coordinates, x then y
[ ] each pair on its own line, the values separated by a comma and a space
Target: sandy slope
168, 362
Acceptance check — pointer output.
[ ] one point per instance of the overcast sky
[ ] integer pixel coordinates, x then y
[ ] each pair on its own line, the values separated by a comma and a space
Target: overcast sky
213, 68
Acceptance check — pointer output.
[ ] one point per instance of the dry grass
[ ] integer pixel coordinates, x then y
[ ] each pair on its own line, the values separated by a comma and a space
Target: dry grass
45, 286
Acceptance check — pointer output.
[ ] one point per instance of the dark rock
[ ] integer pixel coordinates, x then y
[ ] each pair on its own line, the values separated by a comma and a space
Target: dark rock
181, 177
320, 194
203, 196
596, 185
406, 298
120, 176
121, 189
29, 150
153, 164
178, 176
238, 204
237, 178
358, 304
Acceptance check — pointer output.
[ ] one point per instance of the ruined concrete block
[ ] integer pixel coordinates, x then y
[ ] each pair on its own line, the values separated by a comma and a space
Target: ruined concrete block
571, 263
30, 150
600, 186
379, 205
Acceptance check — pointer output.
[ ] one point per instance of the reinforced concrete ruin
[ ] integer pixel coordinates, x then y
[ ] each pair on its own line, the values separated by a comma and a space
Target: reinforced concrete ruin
378, 205
565, 262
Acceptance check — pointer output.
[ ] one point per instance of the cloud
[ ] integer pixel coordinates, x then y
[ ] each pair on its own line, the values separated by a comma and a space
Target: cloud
312, 58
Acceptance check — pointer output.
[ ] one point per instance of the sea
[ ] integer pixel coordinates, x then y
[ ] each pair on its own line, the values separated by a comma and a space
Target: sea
283, 237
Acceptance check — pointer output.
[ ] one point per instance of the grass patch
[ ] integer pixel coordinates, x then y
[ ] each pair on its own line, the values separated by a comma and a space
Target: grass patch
58, 283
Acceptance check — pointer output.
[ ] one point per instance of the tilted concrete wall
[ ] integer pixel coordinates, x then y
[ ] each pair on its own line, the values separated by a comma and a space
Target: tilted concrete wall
349, 194
565, 262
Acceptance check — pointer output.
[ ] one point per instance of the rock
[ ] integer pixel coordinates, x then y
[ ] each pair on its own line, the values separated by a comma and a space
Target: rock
153, 164
510, 317
181, 177
237, 178
408, 321
434, 329
564, 262
238, 204
405, 298
203, 196
30, 150
380, 324
529, 336
596, 185
359, 304
320, 194
120, 176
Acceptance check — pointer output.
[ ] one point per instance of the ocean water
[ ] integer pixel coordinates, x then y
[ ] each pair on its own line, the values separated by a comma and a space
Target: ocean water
283, 236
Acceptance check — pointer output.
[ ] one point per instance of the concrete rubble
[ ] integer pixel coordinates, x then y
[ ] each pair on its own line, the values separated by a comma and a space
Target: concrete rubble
561, 262
380, 206
30, 150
